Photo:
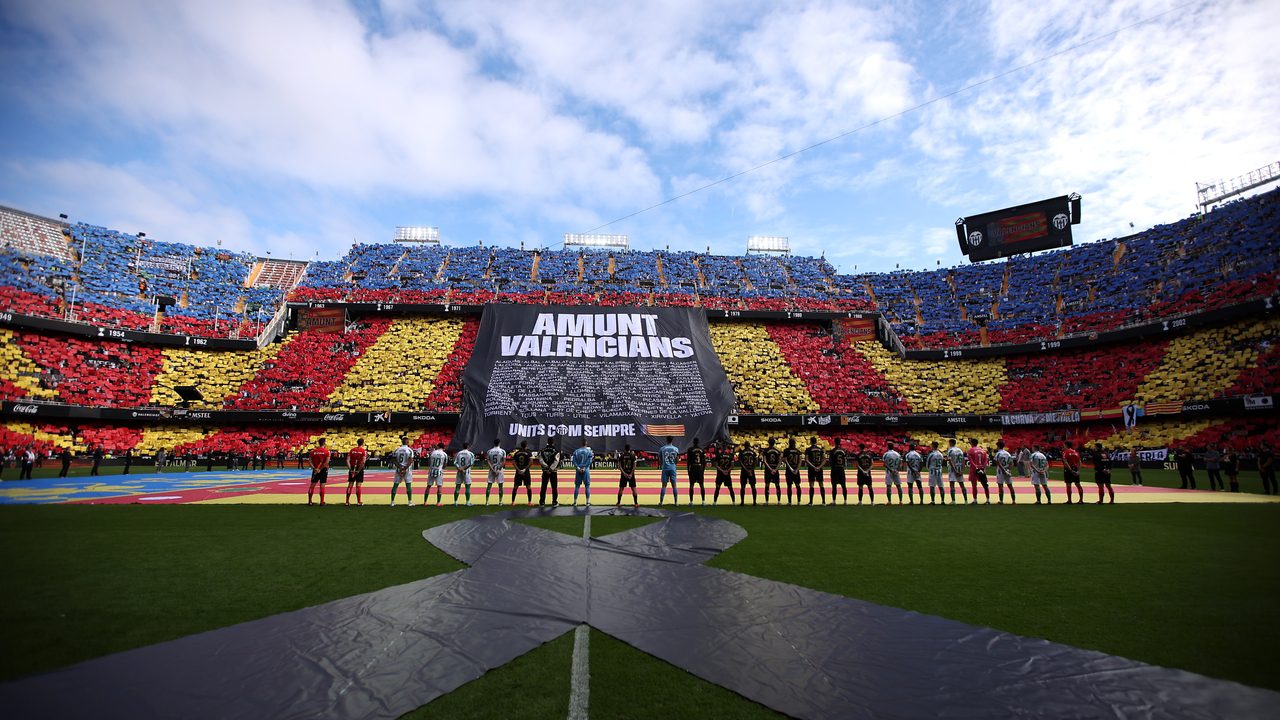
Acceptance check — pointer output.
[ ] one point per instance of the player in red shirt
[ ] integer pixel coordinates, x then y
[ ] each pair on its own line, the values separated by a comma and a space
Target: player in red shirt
978, 470
319, 470
356, 458
1071, 472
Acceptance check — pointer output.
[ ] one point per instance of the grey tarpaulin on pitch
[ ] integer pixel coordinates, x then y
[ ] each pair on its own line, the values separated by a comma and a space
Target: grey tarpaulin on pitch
804, 653
609, 376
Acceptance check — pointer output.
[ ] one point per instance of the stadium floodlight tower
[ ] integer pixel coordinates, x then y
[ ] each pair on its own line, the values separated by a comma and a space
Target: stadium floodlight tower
587, 240
769, 244
1209, 195
417, 234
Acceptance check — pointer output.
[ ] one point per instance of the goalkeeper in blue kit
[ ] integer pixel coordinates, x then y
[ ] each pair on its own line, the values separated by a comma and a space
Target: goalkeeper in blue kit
582, 459
668, 456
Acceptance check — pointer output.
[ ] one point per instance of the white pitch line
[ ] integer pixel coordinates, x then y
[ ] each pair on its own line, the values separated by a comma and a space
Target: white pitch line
580, 676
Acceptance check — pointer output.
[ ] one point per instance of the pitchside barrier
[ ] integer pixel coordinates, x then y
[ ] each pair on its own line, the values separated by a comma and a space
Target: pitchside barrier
38, 411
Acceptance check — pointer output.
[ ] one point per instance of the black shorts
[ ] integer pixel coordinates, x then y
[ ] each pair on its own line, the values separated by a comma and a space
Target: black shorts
625, 481
837, 477
770, 477
793, 478
355, 476
864, 477
320, 476
815, 475
522, 478
1070, 476
695, 475
747, 479
1102, 478
724, 479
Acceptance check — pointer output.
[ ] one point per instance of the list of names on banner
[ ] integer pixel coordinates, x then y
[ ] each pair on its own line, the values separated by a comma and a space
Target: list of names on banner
582, 388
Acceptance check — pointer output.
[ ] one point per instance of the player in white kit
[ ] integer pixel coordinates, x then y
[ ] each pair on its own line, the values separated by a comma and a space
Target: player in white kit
1004, 472
1040, 474
496, 456
892, 462
463, 461
914, 461
402, 460
935, 461
435, 474
956, 458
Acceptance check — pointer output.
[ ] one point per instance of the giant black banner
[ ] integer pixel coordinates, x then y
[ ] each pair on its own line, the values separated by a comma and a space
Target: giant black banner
610, 375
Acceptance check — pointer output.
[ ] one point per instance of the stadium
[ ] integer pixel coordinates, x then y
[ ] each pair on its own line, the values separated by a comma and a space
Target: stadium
444, 478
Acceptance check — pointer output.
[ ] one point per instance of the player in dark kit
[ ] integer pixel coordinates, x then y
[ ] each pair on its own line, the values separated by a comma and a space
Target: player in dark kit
696, 459
627, 473
356, 459
1185, 462
771, 458
747, 460
1231, 466
1266, 469
549, 459
724, 471
1102, 472
839, 460
523, 460
319, 470
865, 462
814, 458
791, 458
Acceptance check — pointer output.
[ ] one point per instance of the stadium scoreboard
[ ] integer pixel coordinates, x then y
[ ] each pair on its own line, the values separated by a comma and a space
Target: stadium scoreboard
1024, 228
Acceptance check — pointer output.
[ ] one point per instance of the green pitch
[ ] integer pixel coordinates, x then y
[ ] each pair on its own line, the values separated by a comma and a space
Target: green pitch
1186, 586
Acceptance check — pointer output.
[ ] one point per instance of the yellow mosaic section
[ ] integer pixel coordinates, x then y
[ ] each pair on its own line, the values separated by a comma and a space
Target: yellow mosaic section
1158, 435
399, 370
954, 386
19, 369
376, 440
760, 375
169, 437
57, 439
1204, 363
986, 438
216, 374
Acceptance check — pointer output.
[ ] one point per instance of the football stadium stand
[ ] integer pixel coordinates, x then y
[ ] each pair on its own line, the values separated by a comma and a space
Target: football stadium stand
1197, 264
407, 363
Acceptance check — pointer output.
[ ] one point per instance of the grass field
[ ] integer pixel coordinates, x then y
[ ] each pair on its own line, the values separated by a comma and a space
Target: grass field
1189, 586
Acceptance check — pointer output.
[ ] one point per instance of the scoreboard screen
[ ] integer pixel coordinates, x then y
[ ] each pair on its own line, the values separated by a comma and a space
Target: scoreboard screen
1020, 229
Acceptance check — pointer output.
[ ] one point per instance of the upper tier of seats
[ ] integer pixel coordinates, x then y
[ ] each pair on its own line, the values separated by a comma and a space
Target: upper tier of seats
104, 276
1193, 265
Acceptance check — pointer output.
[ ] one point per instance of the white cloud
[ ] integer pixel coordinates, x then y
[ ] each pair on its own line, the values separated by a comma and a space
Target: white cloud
299, 124
137, 199
1130, 122
298, 91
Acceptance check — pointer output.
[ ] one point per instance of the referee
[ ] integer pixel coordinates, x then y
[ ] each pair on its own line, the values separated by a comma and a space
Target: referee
549, 459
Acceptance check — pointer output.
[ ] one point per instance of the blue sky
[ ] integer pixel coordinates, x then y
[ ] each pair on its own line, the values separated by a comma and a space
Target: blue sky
296, 126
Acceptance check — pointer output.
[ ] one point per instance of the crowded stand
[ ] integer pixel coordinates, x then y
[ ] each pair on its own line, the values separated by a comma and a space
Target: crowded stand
105, 277
1197, 264
776, 367
410, 363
